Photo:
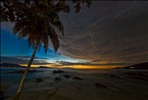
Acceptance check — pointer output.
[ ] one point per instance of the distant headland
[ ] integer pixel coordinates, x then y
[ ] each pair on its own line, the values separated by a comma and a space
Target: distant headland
136, 66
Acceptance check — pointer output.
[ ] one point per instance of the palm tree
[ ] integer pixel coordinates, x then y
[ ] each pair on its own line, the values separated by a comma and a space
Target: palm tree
36, 22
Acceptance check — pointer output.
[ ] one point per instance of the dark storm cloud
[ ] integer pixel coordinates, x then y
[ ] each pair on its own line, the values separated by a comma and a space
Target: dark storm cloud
108, 31
63, 63
22, 59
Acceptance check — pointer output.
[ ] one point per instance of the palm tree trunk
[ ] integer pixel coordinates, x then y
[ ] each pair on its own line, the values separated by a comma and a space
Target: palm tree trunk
21, 85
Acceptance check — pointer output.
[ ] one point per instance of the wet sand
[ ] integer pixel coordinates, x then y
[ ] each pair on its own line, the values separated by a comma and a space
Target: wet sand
112, 84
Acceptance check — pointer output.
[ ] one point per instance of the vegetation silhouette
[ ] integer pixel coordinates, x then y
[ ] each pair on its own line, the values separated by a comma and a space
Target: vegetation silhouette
36, 21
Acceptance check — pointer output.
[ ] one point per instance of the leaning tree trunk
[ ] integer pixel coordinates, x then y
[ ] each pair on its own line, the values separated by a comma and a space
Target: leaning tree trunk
21, 85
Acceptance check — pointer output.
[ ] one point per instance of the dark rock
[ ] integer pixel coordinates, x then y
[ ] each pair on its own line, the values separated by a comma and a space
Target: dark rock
58, 71
38, 80
77, 78
31, 71
112, 75
51, 83
67, 76
57, 79
100, 85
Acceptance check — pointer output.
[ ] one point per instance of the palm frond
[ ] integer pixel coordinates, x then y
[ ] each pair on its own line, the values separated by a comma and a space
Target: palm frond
54, 37
59, 25
61, 6
39, 26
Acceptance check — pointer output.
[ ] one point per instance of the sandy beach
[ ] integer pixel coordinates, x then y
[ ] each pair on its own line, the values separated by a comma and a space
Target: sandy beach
115, 84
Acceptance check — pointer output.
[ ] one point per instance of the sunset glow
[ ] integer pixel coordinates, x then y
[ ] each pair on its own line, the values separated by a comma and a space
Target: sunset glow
75, 66
92, 67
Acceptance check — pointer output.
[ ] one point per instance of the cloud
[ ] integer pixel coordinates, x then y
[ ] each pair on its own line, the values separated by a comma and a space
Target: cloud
65, 63
108, 31
22, 59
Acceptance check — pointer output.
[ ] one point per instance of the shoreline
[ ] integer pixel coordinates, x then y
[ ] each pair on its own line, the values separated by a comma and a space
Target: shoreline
95, 84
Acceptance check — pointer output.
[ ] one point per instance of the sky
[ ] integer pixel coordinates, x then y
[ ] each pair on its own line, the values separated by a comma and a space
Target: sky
107, 33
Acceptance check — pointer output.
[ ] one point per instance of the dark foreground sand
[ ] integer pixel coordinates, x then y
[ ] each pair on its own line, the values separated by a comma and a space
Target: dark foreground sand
91, 85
